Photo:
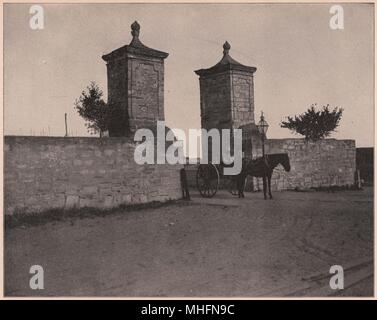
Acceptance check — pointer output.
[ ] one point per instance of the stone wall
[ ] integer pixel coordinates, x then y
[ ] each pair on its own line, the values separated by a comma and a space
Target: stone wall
41, 173
325, 163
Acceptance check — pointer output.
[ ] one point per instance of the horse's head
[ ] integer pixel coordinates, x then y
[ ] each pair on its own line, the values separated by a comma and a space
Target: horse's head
285, 162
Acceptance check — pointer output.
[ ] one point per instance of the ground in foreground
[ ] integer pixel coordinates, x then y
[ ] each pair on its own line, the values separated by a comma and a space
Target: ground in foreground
211, 247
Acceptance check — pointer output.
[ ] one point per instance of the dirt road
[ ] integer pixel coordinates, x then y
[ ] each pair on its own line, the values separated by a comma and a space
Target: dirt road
217, 247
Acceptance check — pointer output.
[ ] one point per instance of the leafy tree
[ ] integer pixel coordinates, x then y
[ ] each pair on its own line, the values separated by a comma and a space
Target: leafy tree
93, 109
314, 125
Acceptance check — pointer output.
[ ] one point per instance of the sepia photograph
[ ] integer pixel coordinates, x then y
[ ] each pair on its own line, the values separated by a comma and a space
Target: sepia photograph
190, 150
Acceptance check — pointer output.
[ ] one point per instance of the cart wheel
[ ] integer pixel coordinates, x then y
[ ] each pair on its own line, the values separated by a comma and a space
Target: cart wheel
207, 180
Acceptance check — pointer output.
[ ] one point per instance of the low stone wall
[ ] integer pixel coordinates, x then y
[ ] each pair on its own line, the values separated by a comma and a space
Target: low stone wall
42, 173
325, 163
328, 162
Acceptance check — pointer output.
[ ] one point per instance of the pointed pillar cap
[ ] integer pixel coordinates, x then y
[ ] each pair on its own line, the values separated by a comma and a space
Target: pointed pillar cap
227, 63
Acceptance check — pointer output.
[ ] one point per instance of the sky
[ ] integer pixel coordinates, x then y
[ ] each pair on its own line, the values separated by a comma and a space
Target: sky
300, 60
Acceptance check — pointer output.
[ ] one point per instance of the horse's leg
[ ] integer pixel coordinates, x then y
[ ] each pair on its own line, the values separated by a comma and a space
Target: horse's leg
240, 184
269, 186
238, 179
265, 187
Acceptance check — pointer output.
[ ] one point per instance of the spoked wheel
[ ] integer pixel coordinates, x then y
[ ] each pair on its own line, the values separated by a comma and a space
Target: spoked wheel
207, 180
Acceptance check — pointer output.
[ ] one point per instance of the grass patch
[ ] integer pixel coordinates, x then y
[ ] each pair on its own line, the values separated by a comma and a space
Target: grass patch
37, 218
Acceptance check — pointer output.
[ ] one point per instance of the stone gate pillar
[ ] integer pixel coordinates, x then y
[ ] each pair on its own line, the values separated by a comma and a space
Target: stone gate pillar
135, 76
227, 98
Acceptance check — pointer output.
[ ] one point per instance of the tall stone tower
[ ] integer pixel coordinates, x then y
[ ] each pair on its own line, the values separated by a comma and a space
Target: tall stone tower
227, 98
226, 93
135, 76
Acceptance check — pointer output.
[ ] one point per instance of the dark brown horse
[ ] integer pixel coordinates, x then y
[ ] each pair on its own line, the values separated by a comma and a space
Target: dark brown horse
262, 168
